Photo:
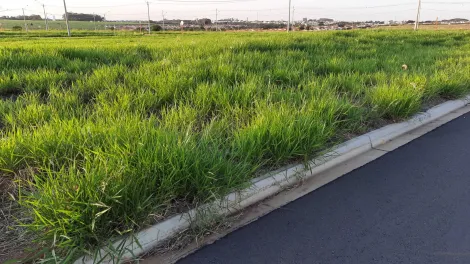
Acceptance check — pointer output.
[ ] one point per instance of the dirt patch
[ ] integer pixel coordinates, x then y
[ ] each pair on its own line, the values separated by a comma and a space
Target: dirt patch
432, 103
10, 93
14, 241
430, 27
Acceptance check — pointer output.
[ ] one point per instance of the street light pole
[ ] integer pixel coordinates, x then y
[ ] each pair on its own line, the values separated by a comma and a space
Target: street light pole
67, 20
24, 19
293, 19
94, 20
288, 22
216, 20
45, 17
418, 14
148, 14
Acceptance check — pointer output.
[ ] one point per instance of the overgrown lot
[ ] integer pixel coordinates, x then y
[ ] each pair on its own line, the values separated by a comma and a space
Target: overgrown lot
103, 135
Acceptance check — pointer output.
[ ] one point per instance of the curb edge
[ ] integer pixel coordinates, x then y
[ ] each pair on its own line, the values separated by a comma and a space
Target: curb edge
273, 183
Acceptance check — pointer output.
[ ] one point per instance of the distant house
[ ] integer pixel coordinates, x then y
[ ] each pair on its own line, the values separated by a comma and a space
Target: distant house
455, 21
458, 21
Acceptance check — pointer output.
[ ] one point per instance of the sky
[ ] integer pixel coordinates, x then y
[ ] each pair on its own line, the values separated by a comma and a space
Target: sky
347, 10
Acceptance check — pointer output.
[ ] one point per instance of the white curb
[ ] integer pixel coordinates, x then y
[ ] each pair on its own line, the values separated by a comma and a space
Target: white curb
274, 183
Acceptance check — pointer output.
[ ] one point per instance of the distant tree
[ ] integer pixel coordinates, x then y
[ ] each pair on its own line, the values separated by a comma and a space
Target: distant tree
83, 17
205, 21
272, 26
34, 17
410, 22
156, 28
31, 17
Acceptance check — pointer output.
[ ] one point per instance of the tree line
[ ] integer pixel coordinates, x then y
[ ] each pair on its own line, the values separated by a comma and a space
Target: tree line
83, 17
31, 17
72, 17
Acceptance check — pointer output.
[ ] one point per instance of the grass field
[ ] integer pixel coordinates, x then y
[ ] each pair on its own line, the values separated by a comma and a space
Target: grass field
439, 27
103, 135
59, 24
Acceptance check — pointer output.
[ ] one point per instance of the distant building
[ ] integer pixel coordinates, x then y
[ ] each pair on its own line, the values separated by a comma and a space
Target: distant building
458, 21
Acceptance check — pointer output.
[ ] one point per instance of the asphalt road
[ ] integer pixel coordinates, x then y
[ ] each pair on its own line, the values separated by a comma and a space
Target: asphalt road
410, 206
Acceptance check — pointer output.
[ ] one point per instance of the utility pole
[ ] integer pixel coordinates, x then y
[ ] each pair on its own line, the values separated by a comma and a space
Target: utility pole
418, 14
45, 17
24, 19
148, 14
67, 19
288, 22
163, 16
94, 20
293, 20
216, 20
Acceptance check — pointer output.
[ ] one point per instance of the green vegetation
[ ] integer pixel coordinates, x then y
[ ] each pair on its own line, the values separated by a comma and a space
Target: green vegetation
17, 28
60, 24
104, 133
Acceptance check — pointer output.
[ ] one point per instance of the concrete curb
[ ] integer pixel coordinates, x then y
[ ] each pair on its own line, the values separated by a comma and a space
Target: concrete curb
271, 184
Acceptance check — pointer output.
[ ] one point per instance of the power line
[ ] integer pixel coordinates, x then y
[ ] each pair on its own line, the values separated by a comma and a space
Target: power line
446, 10
82, 7
6, 10
375, 13
205, 1
447, 3
355, 7
274, 12
252, 10
160, 2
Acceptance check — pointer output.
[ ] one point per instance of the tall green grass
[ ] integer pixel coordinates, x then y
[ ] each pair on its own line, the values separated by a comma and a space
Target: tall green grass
113, 132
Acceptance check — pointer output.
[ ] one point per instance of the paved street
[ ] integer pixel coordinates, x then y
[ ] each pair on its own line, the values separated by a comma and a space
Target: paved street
409, 206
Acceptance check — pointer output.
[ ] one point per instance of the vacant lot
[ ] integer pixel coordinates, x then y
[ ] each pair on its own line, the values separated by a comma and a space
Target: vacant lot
60, 24
103, 135
439, 27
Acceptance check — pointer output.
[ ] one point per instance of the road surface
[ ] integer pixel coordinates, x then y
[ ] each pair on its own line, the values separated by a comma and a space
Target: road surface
410, 206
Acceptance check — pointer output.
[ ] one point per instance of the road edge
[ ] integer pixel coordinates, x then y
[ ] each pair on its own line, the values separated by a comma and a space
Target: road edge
269, 185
